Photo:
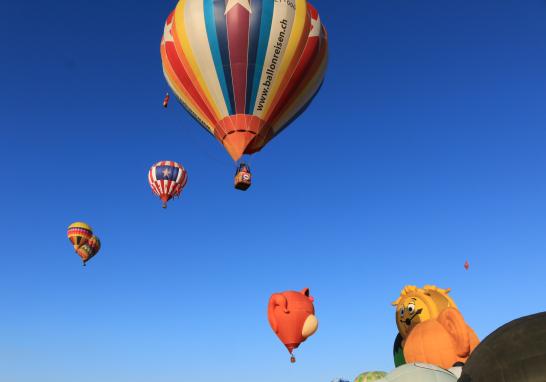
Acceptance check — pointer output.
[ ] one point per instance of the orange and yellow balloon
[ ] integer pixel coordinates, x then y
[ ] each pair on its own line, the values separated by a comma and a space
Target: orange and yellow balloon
89, 249
79, 233
85, 243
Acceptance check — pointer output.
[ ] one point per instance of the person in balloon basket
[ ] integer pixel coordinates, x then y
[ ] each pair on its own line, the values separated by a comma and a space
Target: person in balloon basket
243, 177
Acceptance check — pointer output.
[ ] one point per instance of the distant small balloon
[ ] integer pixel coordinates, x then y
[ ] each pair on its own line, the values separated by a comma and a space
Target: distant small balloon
79, 233
466, 265
89, 249
167, 179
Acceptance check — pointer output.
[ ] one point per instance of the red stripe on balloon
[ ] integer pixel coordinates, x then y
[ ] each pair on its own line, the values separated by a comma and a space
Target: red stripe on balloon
238, 26
183, 77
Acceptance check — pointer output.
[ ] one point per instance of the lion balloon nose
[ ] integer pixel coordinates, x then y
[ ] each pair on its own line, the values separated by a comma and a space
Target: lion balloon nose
310, 326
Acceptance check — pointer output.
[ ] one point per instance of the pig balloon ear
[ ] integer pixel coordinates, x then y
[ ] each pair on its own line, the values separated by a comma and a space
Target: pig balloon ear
280, 300
452, 320
276, 299
305, 291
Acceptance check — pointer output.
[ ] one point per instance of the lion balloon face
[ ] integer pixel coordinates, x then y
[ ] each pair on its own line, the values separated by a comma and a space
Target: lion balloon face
416, 305
410, 312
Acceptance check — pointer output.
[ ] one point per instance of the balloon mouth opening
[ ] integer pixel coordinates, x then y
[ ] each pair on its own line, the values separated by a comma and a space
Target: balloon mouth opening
237, 133
291, 347
237, 141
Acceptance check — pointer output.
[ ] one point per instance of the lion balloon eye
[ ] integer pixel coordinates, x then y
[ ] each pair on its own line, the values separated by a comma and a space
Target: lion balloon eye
411, 308
401, 312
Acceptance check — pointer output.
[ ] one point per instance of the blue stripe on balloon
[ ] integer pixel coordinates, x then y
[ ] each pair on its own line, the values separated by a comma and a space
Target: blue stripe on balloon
265, 30
219, 7
254, 35
210, 23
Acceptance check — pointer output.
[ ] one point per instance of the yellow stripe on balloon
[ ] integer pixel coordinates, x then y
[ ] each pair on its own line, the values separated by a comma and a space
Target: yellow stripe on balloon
281, 25
80, 225
296, 35
180, 36
291, 67
200, 96
182, 93
197, 36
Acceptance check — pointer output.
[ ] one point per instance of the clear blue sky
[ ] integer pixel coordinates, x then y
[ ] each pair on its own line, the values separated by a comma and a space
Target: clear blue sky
426, 146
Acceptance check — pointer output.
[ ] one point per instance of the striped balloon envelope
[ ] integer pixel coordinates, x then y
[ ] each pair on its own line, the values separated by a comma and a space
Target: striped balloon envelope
244, 69
89, 249
167, 179
79, 233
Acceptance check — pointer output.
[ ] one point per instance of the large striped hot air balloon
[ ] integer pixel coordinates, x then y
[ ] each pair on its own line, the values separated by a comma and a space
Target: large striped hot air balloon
244, 69
167, 179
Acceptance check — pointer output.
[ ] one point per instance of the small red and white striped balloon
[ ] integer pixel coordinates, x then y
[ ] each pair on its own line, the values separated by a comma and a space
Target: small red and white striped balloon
167, 179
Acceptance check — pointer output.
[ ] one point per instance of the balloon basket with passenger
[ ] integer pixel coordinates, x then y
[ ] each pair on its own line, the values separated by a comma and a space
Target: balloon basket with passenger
243, 177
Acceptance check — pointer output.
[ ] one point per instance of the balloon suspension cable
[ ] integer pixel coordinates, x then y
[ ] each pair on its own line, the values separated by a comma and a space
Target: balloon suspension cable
245, 158
248, 161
